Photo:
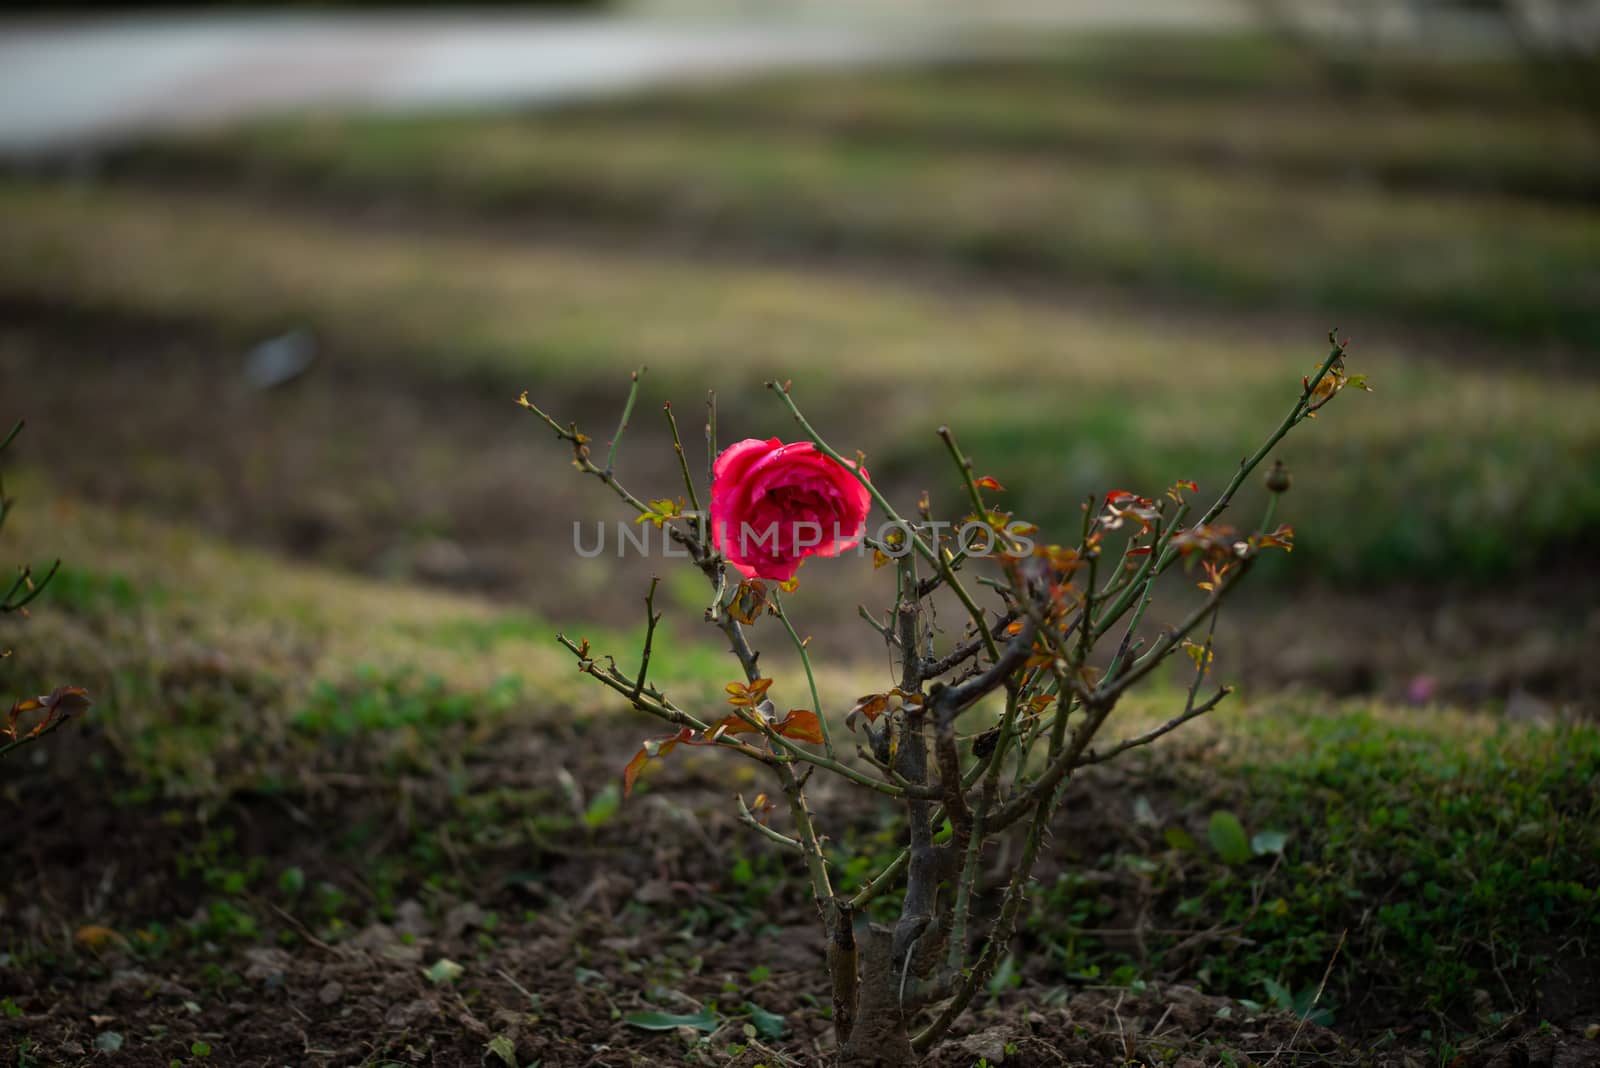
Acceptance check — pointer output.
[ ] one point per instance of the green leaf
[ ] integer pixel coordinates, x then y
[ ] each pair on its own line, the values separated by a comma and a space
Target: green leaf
1144, 814
1264, 843
1227, 837
292, 881
1305, 1007
1179, 839
768, 1024
108, 1041
704, 1020
603, 806
200, 1049
1279, 994
443, 970
1005, 976
505, 1049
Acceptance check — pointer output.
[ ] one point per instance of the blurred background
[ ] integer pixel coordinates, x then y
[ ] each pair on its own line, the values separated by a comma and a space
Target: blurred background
271, 280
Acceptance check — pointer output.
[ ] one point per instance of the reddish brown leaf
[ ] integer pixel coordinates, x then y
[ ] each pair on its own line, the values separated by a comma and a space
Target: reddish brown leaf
732, 725
750, 696
652, 748
802, 725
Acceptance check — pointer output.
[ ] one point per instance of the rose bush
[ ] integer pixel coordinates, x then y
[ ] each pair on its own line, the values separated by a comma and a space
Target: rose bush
62, 703
984, 720
773, 505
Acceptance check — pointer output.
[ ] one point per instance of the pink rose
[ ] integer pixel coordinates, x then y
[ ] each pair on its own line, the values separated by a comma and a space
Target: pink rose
773, 505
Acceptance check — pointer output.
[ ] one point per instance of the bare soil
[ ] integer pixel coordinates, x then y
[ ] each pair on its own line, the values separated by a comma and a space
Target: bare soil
561, 931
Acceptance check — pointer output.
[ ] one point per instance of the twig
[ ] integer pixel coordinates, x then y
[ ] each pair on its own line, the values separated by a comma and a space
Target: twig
811, 679
627, 411
652, 617
1192, 712
749, 818
701, 520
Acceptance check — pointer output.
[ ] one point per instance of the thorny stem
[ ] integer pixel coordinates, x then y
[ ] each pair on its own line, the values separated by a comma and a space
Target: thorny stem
999, 935
911, 761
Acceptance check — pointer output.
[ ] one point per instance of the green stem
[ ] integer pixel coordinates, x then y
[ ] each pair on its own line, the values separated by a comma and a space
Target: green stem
811, 679
627, 412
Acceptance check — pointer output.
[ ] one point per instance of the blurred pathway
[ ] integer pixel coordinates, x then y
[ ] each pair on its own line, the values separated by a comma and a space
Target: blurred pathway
74, 81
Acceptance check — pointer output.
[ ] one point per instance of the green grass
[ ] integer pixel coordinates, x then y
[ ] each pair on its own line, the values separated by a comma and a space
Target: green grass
1449, 855
1510, 267
1446, 469
1478, 126
223, 673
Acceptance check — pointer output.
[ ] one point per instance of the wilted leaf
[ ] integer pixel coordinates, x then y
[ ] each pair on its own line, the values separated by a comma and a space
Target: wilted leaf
749, 601
1227, 837
988, 482
704, 1020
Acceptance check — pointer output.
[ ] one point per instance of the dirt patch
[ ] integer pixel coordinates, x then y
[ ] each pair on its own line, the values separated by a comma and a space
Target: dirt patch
323, 920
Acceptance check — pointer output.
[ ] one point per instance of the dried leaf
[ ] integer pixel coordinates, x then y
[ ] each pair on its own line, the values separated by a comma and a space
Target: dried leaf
749, 601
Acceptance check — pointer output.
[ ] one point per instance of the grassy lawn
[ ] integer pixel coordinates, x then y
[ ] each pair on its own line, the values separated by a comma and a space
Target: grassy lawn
1506, 142
1437, 867
1509, 267
1429, 473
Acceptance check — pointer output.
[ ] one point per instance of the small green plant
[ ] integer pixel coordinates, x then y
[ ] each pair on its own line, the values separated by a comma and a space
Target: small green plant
49, 711
1056, 651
